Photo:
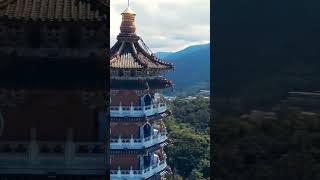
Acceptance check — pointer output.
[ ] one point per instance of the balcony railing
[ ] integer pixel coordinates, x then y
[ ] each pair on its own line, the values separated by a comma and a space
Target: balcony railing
131, 143
38, 157
137, 111
138, 174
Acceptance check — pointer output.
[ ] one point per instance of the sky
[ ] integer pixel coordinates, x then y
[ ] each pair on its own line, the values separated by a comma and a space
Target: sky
165, 25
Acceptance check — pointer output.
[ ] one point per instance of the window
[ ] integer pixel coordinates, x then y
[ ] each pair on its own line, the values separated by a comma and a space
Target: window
121, 73
147, 130
133, 73
147, 100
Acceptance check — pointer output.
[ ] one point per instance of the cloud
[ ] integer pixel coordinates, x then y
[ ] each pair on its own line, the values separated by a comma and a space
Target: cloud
166, 25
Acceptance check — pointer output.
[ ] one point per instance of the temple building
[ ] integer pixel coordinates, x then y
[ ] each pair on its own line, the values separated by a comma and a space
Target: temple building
53, 118
137, 108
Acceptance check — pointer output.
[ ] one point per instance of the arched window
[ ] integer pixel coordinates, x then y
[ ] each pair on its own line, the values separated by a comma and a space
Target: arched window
147, 130
147, 160
132, 73
121, 73
147, 100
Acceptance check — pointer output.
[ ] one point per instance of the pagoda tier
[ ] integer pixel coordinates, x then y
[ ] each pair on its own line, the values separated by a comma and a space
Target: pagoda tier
142, 166
134, 104
137, 135
137, 132
53, 28
135, 158
137, 129
135, 98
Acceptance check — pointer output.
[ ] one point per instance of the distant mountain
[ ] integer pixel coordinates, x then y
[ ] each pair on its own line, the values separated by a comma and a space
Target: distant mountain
263, 54
192, 68
163, 55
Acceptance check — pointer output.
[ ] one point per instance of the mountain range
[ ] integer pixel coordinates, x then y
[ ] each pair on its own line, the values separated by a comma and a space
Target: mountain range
192, 68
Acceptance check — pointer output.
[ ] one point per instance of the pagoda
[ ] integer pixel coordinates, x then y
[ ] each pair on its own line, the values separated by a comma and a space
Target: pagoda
52, 88
137, 132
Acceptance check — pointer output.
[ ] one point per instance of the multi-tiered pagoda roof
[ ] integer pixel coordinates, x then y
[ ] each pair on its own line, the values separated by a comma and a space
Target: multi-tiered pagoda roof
137, 132
130, 52
132, 55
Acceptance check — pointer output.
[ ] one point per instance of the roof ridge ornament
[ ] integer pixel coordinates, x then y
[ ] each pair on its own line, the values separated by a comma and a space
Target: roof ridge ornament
128, 10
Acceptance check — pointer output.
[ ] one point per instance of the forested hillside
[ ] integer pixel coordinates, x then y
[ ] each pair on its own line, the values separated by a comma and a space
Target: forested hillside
284, 147
189, 155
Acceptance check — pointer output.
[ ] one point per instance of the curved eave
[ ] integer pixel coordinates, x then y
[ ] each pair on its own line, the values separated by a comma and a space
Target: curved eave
149, 68
140, 84
152, 57
140, 55
139, 151
141, 119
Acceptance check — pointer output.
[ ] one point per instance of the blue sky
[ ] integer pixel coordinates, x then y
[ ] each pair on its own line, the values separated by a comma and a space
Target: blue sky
166, 25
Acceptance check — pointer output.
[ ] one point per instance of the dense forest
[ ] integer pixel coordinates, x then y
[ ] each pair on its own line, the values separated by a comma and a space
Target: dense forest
286, 147
189, 153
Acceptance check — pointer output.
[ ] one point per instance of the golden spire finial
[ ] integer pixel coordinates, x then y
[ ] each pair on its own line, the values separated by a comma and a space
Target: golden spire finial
128, 10
128, 21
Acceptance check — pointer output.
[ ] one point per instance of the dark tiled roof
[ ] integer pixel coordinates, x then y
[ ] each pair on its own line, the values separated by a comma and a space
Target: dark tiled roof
61, 10
131, 55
